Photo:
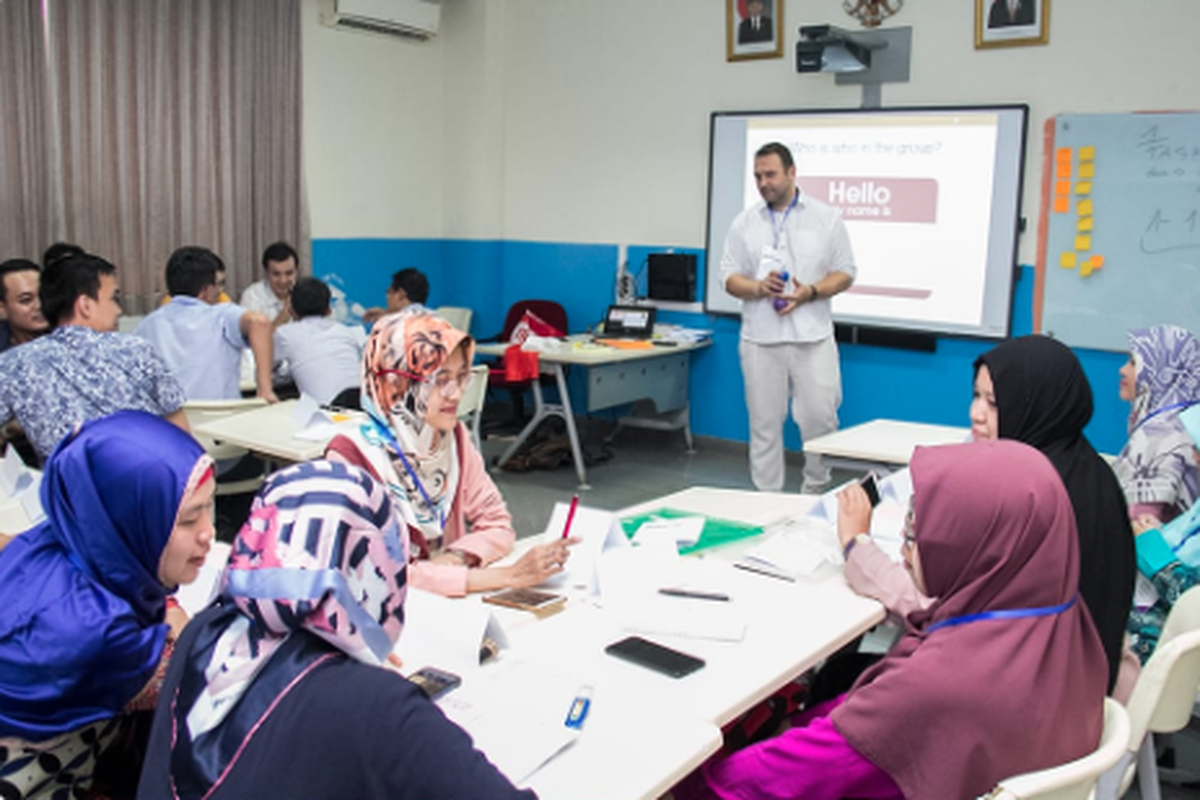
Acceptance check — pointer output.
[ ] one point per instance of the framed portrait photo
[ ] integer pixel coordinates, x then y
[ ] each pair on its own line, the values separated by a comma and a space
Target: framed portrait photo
753, 29
1011, 23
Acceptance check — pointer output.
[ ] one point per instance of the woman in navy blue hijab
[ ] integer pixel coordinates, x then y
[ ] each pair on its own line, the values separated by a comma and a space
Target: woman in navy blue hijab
83, 596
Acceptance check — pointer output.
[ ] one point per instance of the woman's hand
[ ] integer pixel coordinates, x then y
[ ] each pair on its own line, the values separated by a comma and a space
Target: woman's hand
854, 513
1145, 522
540, 563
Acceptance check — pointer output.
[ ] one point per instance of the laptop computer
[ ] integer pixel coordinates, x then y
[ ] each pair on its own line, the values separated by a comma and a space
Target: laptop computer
629, 322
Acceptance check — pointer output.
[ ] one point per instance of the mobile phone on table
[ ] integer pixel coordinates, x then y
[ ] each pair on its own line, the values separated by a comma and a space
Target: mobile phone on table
434, 682
526, 599
870, 485
654, 656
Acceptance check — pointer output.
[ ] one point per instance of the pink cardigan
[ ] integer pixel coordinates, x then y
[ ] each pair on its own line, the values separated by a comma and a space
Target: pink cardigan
479, 522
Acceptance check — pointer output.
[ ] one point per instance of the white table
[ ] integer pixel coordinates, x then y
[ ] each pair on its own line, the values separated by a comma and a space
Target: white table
269, 430
881, 443
20, 512
650, 730
615, 377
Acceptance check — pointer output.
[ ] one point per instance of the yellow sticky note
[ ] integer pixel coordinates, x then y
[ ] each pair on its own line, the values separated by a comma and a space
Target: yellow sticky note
1062, 154
1083, 242
1087, 170
1067, 260
1084, 208
1097, 261
1087, 153
1062, 187
1083, 188
1062, 204
1085, 269
1085, 224
1063, 169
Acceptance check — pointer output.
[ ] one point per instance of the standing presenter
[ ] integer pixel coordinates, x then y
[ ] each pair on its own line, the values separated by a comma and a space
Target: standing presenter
785, 258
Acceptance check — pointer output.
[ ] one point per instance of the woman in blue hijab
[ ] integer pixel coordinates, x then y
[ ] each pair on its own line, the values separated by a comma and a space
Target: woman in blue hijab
83, 596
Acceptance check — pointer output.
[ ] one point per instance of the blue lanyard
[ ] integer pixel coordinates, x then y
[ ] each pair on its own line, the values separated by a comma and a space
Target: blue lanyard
386, 434
1015, 613
779, 227
1163, 410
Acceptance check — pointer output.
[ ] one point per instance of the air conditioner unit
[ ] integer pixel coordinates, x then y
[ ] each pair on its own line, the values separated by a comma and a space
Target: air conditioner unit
410, 18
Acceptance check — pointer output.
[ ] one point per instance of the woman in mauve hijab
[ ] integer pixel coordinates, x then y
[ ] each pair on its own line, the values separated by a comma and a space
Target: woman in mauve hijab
1001, 674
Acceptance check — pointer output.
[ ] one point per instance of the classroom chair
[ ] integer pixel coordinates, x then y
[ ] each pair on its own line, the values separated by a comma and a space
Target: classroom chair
457, 316
470, 406
1161, 702
1076, 779
200, 411
553, 314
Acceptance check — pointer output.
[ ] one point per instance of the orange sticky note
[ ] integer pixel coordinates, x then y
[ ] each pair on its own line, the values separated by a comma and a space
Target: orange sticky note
1087, 153
1062, 187
1062, 154
1087, 170
1062, 204
1083, 242
1067, 260
1097, 261
1063, 169
1085, 224
1084, 208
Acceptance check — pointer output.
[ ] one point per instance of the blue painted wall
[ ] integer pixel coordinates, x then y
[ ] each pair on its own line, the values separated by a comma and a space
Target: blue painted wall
487, 276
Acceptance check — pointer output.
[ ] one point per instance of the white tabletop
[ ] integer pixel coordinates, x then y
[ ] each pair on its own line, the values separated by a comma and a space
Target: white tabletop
268, 430
650, 730
884, 441
582, 350
22, 511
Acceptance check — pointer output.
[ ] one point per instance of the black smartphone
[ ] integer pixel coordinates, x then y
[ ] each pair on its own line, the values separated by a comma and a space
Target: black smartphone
654, 656
434, 682
871, 487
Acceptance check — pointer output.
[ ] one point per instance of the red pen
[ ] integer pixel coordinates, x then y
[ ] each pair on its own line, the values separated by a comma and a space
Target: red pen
570, 516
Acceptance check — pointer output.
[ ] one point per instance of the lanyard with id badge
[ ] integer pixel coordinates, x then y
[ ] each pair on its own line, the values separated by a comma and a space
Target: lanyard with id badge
773, 257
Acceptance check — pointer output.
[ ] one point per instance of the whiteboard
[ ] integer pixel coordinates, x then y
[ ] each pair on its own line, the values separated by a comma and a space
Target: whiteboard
1121, 206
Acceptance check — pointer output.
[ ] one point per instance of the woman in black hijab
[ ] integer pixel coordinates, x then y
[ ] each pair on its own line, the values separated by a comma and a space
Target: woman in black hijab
1034, 390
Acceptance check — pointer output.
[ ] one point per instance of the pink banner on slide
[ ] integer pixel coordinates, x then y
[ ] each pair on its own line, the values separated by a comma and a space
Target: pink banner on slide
862, 198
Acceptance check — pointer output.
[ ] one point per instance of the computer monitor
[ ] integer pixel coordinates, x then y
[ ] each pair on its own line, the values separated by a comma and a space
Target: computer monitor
671, 276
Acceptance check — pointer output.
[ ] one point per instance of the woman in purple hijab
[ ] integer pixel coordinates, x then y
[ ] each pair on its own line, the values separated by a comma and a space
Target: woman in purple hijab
1002, 674
1160, 381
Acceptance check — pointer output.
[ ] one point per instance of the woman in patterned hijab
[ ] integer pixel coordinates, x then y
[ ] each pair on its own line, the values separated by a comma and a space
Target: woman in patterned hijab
282, 689
416, 367
1161, 380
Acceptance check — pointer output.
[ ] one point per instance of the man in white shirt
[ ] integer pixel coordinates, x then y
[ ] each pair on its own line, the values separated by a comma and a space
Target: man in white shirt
272, 295
409, 287
201, 339
323, 356
784, 259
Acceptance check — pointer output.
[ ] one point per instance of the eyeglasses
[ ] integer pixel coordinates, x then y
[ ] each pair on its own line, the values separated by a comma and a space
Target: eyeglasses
443, 381
910, 540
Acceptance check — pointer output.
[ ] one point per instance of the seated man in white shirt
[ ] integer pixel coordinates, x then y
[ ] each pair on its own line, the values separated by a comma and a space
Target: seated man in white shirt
200, 339
409, 287
323, 356
272, 295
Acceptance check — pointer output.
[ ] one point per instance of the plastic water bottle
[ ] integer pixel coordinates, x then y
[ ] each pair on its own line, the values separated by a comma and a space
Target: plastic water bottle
779, 302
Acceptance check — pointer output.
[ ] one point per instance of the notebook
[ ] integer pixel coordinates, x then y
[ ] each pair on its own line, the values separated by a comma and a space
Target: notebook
633, 322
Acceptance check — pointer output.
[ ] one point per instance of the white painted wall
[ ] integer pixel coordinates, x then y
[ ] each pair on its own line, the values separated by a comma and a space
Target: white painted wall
587, 120
374, 113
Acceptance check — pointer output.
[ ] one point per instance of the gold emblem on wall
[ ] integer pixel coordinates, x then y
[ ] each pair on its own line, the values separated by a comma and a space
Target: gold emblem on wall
872, 12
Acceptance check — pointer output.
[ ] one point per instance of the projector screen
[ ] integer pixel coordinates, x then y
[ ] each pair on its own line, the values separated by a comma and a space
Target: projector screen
930, 196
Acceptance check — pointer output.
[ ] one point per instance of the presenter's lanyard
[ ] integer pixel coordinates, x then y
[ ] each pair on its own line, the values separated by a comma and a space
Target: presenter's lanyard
386, 434
1015, 613
1163, 410
779, 224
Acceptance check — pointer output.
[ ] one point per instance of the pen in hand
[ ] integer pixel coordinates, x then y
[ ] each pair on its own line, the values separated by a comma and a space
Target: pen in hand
570, 516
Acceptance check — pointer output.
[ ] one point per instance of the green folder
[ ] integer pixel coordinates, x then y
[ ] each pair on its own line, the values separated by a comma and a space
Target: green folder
716, 531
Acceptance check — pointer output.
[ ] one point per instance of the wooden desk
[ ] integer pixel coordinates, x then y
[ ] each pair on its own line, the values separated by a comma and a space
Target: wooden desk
269, 430
651, 730
882, 443
615, 377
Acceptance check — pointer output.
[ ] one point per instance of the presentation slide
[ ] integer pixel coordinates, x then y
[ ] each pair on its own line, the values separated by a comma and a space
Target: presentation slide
930, 199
